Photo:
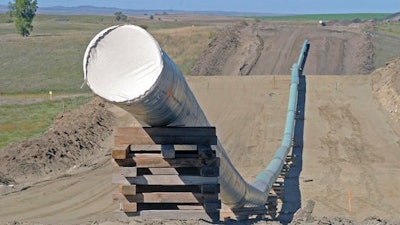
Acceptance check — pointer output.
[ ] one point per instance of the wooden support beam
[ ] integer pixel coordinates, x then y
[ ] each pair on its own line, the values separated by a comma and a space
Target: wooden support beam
165, 135
128, 207
166, 197
127, 189
164, 180
120, 151
153, 162
129, 171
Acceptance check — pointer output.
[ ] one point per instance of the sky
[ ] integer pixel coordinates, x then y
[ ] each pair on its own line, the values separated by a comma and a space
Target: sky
254, 6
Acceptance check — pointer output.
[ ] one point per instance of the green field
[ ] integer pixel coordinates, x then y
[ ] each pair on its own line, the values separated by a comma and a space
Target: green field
330, 17
20, 122
51, 60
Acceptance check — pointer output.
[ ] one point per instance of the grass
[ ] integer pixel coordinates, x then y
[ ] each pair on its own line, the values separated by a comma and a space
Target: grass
390, 29
386, 43
328, 17
21, 122
51, 58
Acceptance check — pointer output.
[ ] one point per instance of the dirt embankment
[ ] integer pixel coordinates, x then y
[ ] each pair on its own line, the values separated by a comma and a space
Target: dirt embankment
72, 141
385, 84
265, 48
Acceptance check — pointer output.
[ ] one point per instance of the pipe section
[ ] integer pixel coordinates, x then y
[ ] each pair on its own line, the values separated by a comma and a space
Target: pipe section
268, 176
126, 66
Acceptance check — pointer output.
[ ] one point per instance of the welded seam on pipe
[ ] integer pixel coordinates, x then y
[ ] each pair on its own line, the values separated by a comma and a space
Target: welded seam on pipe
268, 176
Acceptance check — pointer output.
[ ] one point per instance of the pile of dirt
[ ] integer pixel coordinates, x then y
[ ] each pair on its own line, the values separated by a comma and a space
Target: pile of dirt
214, 58
74, 138
385, 84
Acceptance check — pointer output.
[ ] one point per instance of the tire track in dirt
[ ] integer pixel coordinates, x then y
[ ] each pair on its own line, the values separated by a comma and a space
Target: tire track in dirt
264, 48
71, 196
349, 152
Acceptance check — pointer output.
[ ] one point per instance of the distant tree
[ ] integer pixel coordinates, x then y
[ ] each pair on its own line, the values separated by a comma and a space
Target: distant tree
119, 16
151, 17
24, 11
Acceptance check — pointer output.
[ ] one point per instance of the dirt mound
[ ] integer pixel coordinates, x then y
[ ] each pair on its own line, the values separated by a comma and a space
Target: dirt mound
265, 48
212, 60
73, 138
385, 83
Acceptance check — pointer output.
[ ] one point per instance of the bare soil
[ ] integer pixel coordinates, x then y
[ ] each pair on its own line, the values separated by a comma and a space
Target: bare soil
267, 48
348, 164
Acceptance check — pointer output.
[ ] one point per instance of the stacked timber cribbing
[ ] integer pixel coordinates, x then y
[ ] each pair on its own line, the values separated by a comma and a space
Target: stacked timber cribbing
167, 172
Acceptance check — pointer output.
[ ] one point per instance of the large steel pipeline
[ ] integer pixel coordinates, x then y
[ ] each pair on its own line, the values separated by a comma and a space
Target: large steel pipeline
268, 176
126, 66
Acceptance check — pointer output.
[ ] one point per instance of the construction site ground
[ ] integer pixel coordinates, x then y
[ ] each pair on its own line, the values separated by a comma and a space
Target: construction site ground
349, 162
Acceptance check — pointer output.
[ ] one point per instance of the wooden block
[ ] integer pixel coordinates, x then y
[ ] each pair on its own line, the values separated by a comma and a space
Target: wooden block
121, 140
128, 207
172, 180
161, 197
165, 135
120, 151
168, 151
163, 180
152, 162
166, 131
180, 215
127, 189
129, 171
157, 148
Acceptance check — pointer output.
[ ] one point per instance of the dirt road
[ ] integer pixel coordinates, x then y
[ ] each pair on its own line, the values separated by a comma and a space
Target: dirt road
265, 48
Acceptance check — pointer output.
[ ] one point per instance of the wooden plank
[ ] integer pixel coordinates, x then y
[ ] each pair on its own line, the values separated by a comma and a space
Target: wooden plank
131, 139
129, 207
129, 171
163, 180
153, 162
127, 189
165, 197
169, 188
157, 148
165, 131
180, 215
172, 180
120, 151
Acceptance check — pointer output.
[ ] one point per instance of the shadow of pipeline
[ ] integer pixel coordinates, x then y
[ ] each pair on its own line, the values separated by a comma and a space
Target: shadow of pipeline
292, 193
